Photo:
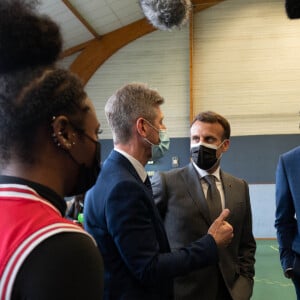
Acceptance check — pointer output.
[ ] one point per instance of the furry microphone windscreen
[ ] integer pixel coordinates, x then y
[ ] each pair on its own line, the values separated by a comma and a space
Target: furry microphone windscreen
166, 14
292, 8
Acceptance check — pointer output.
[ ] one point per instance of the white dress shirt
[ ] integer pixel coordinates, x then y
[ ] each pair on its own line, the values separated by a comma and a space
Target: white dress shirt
204, 184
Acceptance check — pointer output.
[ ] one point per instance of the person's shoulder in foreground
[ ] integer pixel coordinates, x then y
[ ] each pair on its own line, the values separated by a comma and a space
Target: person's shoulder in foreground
48, 150
286, 214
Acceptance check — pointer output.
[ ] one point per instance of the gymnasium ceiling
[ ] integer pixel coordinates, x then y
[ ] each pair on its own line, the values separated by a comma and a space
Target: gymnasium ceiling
98, 28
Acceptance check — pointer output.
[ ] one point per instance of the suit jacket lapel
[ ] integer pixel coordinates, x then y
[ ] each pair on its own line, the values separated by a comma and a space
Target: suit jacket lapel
194, 188
162, 238
115, 155
227, 188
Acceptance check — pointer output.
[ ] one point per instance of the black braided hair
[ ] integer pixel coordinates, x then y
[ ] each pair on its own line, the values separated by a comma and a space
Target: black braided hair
26, 38
32, 89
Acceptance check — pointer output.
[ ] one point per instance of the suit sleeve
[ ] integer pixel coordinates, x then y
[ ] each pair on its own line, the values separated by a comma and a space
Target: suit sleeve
248, 245
130, 217
243, 286
285, 221
159, 188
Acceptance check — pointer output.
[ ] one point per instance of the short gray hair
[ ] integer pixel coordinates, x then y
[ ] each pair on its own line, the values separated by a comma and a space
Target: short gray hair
126, 105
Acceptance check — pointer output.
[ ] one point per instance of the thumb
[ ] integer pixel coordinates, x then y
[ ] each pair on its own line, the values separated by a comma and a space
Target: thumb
223, 215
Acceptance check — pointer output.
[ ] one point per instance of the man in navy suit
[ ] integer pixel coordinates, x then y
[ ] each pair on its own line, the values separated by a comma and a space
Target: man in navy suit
287, 220
120, 212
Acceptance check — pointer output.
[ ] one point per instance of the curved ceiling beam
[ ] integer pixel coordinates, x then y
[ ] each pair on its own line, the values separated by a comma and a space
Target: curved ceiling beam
97, 51
199, 5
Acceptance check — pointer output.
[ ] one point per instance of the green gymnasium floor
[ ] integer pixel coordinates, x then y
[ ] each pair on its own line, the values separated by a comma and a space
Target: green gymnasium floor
269, 282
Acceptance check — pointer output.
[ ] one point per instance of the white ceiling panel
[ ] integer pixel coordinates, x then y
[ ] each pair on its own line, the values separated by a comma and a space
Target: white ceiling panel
103, 16
73, 31
83, 20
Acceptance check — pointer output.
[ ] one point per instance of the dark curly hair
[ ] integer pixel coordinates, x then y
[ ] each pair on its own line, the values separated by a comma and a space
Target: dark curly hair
26, 38
32, 89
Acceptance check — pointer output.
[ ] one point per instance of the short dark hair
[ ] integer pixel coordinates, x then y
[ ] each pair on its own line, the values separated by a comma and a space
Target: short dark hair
212, 117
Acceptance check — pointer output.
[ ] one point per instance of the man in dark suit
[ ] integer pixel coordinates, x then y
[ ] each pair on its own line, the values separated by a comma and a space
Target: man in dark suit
120, 212
287, 221
182, 196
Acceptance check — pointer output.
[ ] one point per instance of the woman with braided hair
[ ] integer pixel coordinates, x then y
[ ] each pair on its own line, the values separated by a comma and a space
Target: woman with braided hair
49, 149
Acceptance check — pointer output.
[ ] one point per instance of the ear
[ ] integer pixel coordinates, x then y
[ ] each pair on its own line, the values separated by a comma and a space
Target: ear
140, 127
226, 145
63, 133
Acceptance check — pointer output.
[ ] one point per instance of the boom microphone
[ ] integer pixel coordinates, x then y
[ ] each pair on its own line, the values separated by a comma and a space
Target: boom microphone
292, 8
166, 14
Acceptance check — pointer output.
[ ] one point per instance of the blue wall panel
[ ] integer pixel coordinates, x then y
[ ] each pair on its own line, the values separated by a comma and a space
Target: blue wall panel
253, 158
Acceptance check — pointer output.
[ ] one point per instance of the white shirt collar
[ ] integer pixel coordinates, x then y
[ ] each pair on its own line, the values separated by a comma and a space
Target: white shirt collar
203, 173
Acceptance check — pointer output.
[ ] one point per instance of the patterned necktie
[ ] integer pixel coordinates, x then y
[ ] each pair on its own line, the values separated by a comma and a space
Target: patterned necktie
213, 197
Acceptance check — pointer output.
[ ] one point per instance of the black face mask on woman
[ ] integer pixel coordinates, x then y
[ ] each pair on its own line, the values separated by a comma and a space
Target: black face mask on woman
87, 176
205, 155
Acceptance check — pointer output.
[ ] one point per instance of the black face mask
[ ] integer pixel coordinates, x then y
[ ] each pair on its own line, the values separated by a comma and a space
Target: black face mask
204, 155
87, 175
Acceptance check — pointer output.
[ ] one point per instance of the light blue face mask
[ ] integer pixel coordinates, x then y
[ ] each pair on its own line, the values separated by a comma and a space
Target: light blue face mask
158, 151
